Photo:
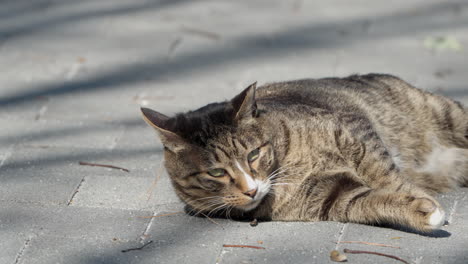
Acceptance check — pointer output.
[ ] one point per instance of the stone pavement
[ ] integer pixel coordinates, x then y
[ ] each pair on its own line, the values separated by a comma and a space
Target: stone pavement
74, 73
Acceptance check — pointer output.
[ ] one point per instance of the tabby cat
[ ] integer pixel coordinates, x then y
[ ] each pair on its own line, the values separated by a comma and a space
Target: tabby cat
366, 149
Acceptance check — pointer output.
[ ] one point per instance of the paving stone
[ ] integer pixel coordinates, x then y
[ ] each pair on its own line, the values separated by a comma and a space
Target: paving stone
52, 175
139, 136
120, 107
56, 133
24, 112
49, 249
11, 244
73, 78
26, 177
284, 242
13, 132
140, 162
124, 192
68, 222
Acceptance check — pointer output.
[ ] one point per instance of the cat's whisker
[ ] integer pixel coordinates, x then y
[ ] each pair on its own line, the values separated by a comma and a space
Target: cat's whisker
216, 209
283, 178
230, 208
206, 205
209, 197
280, 170
284, 183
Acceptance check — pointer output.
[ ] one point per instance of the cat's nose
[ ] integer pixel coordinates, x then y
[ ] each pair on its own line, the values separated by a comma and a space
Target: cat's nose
251, 192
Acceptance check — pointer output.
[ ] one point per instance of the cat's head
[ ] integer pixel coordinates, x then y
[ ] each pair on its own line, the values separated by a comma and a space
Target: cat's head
219, 156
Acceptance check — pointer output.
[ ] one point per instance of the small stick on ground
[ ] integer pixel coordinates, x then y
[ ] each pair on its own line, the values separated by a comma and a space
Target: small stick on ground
103, 165
243, 246
350, 251
367, 243
155, 216
336, 256
201, 33
138, 248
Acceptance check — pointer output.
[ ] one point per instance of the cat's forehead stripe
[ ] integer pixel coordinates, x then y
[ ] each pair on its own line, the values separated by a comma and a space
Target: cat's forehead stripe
242, 143
216, 157
222, 150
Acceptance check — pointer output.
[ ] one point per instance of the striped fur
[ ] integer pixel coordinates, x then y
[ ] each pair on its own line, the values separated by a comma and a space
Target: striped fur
366, 149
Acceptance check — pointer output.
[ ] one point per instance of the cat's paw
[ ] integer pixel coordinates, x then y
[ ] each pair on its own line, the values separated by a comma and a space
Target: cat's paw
431, 216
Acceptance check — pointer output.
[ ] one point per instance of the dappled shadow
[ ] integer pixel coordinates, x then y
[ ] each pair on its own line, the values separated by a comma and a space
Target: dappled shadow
17, 9
254, 47
437, 233
33, 136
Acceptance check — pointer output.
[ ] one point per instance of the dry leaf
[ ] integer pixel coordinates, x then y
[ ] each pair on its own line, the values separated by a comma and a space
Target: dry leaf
254, 222
442, 43
336, 256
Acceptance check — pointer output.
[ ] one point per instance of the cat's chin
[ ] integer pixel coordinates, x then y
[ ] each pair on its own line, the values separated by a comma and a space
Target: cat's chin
250, 206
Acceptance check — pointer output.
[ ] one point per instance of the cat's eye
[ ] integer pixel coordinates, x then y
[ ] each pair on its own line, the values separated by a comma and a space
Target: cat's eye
253, 155
217, 172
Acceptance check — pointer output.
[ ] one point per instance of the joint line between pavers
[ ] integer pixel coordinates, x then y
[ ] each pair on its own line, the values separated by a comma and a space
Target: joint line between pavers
342, 233
75, 192
21, 251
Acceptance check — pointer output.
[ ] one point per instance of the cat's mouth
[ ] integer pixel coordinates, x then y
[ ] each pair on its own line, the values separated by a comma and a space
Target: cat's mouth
263, 188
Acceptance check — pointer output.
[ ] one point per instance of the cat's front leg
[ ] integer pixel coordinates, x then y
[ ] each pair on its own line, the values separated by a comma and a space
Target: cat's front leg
346, 199
420, 213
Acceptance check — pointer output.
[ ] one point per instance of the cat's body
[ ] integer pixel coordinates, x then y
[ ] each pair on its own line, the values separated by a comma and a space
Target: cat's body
366, 149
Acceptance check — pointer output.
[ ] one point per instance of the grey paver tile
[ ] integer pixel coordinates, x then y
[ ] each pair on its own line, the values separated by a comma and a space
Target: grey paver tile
49, 249
92, 223
12, 243
284, 242
125, 192
73, 78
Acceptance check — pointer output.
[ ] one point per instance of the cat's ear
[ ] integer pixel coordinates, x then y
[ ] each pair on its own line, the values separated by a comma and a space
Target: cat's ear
244, 103
159, 121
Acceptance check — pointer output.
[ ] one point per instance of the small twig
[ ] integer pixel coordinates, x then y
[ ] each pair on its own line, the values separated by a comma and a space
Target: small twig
155, 216
103, 165
243, 246
138, 248
202, 33
374, 253
174, 45
367, 243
